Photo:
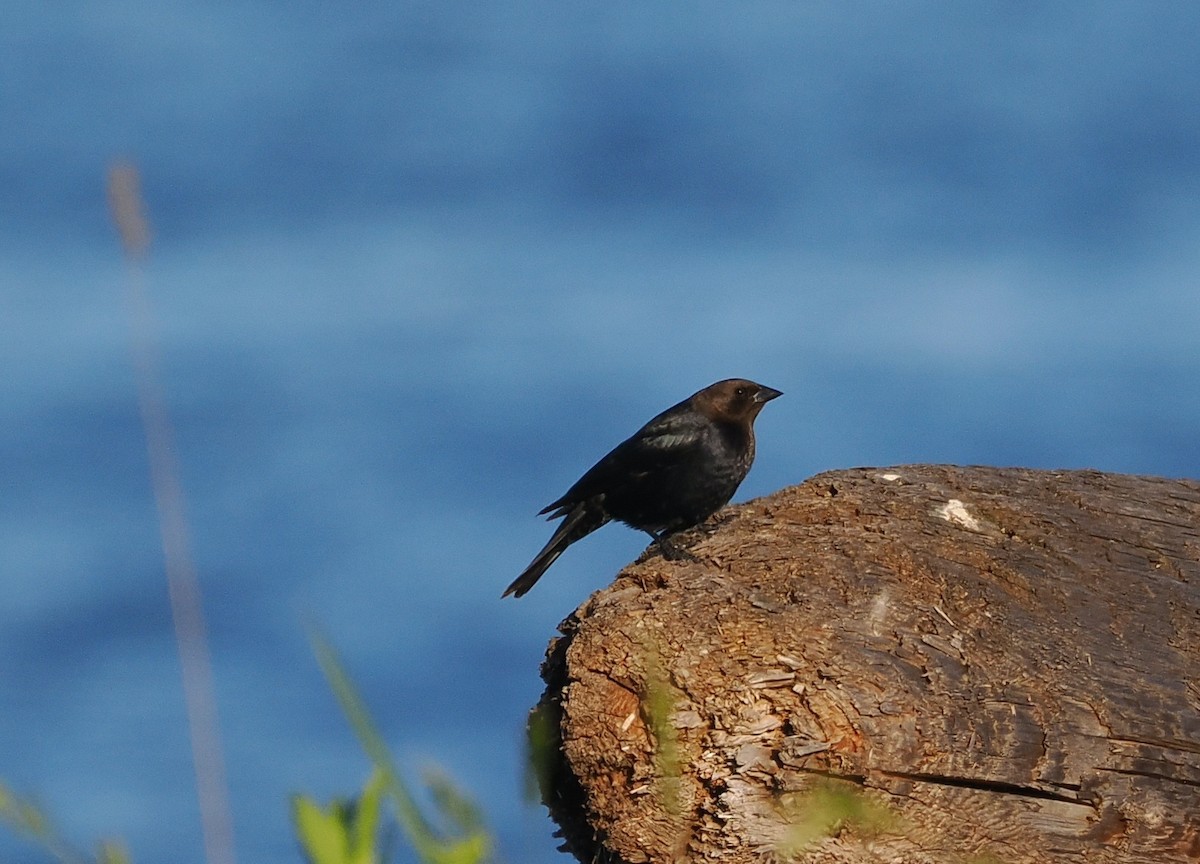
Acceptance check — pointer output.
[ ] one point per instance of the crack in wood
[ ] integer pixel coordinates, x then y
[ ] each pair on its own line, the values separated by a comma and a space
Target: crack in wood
1153, 775
982, 785
1164, 743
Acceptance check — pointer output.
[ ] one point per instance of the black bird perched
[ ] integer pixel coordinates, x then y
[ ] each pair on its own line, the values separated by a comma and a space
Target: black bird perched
673, 473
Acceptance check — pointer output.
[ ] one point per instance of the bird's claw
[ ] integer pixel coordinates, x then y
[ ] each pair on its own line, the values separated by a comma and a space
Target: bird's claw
675, 553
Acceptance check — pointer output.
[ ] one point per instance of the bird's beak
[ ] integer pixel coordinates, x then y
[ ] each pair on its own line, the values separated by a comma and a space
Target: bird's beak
766, 394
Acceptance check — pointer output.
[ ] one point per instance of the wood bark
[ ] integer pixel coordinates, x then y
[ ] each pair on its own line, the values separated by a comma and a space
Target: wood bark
1004, 663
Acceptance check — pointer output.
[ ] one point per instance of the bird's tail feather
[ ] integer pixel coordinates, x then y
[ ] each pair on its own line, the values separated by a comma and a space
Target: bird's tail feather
579, 523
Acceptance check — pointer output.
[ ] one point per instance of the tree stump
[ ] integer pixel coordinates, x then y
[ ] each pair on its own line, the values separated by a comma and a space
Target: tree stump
1003, 665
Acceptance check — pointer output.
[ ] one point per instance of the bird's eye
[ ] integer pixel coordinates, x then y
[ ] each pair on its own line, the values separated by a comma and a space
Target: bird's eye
742, 391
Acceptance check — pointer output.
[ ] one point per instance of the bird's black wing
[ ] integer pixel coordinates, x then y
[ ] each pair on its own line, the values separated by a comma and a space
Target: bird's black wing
662, 442
672, 432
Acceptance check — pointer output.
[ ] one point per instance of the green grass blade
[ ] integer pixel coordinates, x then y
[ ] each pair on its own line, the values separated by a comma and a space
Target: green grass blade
473, 844
28, 819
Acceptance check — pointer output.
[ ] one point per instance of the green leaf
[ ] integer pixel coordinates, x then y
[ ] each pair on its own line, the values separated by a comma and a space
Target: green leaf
824, 810
113, 852
469, 843
322, 834
345, 832
26, 818
541, 751
366, 822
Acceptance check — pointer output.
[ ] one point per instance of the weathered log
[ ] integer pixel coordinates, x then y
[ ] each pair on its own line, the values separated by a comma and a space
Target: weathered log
1005, 661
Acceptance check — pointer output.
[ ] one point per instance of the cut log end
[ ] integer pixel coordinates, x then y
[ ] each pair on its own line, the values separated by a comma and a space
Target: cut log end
922, 663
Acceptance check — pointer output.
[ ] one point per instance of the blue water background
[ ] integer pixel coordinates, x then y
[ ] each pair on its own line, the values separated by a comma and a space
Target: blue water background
416, 265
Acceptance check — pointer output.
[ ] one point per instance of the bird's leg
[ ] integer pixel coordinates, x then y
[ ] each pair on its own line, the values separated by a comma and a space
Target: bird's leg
669, 550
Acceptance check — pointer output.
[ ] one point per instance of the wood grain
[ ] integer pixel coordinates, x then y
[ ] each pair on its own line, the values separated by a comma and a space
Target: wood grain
1005, 660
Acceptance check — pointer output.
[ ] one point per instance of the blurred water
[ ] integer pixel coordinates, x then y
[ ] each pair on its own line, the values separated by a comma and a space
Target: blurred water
416, 268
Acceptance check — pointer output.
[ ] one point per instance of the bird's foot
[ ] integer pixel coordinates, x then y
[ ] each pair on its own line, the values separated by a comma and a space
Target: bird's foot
672, 552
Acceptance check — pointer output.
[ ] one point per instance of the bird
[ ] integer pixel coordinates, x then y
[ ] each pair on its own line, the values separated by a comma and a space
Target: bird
670, 475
